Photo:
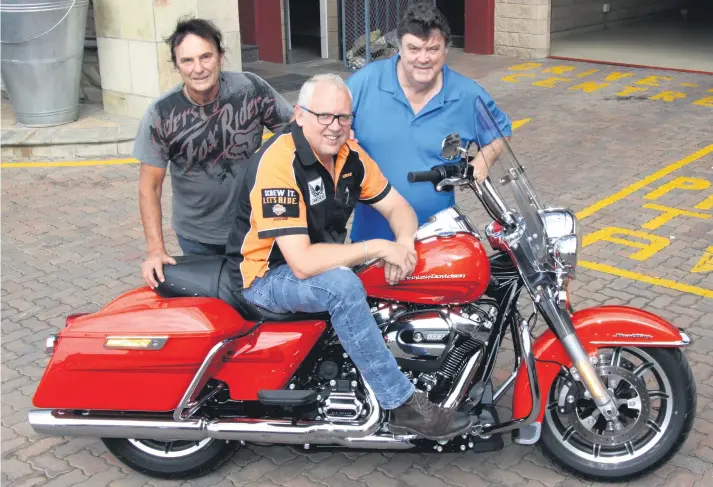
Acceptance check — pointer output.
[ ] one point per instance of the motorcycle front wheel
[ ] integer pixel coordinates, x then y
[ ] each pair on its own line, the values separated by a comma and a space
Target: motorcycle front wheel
656, 398
172, 459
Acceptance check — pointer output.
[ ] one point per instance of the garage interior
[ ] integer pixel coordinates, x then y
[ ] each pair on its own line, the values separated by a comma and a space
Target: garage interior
303, 40
671, 34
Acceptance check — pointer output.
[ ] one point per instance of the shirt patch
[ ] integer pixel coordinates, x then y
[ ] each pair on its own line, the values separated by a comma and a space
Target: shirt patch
344, 176
280, 203
317, 192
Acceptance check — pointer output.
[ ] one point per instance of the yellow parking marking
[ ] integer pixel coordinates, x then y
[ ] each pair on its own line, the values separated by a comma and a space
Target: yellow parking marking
660, 88
110, 162
610, 200
103, 162
669, 96
515, 77
519, 123
616, 76
652, 80
646, 250
705, 102
657, 281
629, 90
589, 86
706, 262
656, 243
706, 204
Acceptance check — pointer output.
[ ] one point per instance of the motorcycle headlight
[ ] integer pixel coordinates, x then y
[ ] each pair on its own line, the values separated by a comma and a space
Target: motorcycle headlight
562, 231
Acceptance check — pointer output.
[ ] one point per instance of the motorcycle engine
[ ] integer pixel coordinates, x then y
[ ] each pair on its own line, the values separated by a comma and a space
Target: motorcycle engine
432, 345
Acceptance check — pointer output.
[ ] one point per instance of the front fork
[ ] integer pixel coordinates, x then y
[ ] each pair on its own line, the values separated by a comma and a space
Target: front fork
562, 326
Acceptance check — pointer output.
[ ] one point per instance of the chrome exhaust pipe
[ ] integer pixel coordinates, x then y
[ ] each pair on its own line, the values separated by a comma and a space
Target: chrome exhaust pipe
69, 423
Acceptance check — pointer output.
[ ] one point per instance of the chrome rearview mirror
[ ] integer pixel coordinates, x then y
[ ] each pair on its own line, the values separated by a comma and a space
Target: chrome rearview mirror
451, 148
565, 250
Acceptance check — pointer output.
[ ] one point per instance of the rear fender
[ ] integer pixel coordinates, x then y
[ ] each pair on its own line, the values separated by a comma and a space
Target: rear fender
598, 327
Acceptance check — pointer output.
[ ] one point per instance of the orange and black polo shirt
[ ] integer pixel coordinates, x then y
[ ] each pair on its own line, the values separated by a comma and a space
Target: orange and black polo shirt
288, 191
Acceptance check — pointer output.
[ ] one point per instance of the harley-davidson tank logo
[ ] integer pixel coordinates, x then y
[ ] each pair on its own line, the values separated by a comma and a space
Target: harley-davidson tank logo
633, 335
278, 209
434, 276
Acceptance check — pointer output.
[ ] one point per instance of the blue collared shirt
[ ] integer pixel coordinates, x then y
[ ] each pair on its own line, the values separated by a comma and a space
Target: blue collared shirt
400, 141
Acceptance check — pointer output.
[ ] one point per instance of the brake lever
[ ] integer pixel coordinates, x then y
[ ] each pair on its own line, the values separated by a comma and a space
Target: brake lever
451, 182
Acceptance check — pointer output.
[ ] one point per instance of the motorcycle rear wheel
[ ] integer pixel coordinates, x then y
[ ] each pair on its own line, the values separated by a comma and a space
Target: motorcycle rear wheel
653, 421
172, 459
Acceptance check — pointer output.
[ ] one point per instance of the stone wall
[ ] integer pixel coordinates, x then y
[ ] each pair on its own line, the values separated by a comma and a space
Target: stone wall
576, 14
522, 28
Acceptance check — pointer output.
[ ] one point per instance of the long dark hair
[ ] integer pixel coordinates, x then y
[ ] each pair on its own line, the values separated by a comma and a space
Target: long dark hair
200, 27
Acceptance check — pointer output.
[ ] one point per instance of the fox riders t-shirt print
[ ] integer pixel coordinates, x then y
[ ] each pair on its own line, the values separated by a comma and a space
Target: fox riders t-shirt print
205, 146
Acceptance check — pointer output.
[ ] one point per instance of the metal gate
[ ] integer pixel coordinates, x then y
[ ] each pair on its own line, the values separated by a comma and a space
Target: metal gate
381, 16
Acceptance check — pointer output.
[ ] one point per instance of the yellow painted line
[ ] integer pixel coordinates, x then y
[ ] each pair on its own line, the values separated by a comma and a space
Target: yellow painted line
519, 123
610, 200
657, 281
706, 262
110, 162
103, 162
100, 162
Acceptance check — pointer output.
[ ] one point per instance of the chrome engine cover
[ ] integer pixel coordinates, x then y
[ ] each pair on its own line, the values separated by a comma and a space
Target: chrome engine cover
421, 336
342, 407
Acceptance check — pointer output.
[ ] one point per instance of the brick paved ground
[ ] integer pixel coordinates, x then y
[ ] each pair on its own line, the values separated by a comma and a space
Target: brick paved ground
72, 241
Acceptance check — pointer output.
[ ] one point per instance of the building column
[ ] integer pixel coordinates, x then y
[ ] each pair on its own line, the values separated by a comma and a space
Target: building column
332, 39
134, 60
522, 30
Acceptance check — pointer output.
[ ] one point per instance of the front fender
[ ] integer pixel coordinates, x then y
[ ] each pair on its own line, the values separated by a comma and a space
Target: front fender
598, 327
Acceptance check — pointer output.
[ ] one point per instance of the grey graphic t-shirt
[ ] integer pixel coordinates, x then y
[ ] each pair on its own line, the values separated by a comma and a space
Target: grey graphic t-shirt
208, 147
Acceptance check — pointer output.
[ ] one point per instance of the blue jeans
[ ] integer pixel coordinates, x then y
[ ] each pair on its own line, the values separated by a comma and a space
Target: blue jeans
340, 292
193, 247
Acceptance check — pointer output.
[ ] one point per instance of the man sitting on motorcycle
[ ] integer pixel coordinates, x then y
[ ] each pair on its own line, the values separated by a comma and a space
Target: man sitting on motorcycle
286, 250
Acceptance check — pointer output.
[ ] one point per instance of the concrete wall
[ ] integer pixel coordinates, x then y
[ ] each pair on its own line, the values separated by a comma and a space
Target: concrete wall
522, 28
576, 14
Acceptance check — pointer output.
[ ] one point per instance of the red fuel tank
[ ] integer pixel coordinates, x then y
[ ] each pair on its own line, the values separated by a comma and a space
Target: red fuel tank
450, 270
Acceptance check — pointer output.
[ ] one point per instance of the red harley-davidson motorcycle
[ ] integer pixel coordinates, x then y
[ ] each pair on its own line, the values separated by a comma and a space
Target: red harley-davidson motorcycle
174, 381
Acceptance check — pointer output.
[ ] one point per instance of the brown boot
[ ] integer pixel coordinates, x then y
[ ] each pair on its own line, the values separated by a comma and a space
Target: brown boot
420, 416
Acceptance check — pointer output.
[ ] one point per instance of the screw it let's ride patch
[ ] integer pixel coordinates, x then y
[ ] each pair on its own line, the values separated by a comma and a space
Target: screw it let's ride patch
280, 203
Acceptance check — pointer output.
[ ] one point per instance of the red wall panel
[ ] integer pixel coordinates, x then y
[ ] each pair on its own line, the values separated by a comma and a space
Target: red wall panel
479, 26
268, 30
247, 21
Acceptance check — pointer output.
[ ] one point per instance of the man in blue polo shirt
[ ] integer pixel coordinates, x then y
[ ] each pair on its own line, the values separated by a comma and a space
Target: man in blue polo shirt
406, 105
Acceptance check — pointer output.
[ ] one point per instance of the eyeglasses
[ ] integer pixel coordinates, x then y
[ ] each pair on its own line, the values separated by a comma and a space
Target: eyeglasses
328, 118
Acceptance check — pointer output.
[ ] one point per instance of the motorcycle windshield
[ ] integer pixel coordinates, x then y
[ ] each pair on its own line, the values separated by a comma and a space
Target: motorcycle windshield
510, 182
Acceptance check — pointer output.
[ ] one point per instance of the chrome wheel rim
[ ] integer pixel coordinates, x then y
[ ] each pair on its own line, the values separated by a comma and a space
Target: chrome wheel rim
645, 407
170, 449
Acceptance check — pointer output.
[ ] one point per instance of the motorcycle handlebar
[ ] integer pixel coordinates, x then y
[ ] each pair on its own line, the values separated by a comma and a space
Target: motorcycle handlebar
436, 174
431, 176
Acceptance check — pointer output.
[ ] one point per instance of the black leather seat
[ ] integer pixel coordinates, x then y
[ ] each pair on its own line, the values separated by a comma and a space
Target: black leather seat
207, 276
